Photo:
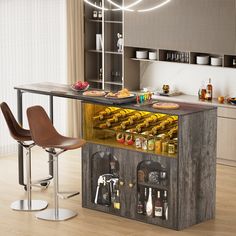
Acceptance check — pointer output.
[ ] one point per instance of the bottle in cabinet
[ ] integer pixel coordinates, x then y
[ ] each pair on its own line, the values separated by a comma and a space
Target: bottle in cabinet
149, 206
140, 206
158, 210
165, 206
100, 11
117, 200
145, 199
95, 12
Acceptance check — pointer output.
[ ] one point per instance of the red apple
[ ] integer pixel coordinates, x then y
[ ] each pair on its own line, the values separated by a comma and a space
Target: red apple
79, 85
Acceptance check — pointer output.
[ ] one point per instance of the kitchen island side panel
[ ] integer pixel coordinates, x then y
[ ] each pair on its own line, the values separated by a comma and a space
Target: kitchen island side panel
197, 168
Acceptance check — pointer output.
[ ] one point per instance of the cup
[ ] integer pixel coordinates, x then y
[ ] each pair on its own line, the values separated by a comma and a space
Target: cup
98, 42
152, 55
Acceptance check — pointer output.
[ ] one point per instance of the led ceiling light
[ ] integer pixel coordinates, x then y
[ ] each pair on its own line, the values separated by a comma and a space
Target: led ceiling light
125, 8
94, 5
130, 6
155, 7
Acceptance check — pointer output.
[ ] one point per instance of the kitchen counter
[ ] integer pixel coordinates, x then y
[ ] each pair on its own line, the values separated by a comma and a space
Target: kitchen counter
193, 100
63, 90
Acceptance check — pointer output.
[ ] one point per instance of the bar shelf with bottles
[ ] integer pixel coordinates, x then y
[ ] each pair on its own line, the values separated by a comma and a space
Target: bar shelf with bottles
142, 131
150, 165
152, 190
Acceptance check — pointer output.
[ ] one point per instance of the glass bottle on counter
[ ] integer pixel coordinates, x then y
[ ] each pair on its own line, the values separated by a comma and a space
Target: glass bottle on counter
149, 206
209, 91
158, 210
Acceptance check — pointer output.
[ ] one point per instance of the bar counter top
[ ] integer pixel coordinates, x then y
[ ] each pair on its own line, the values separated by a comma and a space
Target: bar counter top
63, 90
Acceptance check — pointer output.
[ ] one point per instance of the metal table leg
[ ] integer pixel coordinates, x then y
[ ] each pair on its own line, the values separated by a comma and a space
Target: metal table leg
20, 148
51, 117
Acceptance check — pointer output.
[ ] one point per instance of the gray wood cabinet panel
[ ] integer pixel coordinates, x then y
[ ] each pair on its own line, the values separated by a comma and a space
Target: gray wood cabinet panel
201, 26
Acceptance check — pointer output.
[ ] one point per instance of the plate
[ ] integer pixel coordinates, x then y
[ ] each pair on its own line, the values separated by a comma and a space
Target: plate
94, 93
78, 90
111, 97
165, 106
233, 101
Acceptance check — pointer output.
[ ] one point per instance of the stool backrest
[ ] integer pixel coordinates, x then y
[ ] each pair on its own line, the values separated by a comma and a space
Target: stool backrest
16, 131
41, 127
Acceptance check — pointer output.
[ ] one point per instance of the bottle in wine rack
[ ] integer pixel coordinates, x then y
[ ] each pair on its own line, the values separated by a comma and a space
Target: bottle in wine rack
111, 121
158, 210
145, 199
107, 112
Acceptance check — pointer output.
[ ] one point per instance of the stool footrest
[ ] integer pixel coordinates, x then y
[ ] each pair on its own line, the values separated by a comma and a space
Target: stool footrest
66, 195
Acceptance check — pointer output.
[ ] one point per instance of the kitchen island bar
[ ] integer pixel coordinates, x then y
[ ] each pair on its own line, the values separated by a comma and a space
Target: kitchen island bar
155, 166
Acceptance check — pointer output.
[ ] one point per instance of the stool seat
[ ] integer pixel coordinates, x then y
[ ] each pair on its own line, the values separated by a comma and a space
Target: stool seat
62, 142
16, 131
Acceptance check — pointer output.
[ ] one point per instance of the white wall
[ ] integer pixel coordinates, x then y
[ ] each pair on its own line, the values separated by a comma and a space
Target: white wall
32, 49
188, 78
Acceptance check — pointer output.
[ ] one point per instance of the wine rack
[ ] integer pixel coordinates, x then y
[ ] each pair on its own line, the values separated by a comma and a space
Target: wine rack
159, 172
138, 130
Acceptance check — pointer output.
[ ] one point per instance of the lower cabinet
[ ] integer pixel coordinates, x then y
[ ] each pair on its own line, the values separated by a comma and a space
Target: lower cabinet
130, 184
226, 136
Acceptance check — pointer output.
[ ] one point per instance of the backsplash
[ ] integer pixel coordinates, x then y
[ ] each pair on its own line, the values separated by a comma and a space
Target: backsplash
188, 78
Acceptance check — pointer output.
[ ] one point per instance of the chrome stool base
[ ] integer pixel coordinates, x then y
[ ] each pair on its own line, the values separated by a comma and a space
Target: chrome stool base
23, 205
50, 214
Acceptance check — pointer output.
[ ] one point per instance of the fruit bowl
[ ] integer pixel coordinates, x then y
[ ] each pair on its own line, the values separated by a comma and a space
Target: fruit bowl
80, 86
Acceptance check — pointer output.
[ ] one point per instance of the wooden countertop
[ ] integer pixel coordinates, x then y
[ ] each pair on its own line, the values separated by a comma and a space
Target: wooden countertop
63, 90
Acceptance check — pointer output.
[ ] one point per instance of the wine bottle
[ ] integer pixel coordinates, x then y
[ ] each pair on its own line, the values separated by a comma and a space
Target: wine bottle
117, 200
145, 198
149, 207
111, 121
100, 11
95, 13
209, 91
153, 119
158, 210
165, 206
105, 113
140, 205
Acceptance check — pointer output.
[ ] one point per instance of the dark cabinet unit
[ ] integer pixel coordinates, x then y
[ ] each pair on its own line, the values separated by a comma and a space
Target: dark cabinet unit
173, 190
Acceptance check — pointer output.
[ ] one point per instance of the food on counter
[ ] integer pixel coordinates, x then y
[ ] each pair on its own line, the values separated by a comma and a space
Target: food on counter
94, 93
166, 106
124, 93
80, 86
221, 99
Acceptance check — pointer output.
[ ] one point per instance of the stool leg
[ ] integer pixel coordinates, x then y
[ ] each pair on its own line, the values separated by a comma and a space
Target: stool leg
29, 204
55, 175
56, 213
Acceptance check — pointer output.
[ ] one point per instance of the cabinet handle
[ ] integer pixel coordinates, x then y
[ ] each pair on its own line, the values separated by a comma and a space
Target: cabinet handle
122, 183
131, 185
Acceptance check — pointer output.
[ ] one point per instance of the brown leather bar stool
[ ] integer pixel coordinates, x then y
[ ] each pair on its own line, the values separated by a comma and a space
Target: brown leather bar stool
23, 137
45, 135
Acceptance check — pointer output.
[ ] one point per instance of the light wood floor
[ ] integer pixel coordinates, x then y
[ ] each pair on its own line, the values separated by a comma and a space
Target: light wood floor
88, 222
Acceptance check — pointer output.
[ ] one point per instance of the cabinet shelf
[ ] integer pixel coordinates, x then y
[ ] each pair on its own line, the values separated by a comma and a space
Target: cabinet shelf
94, 80
106, 21
112, 143
114, 83
106, 52
150, 185
137, 59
